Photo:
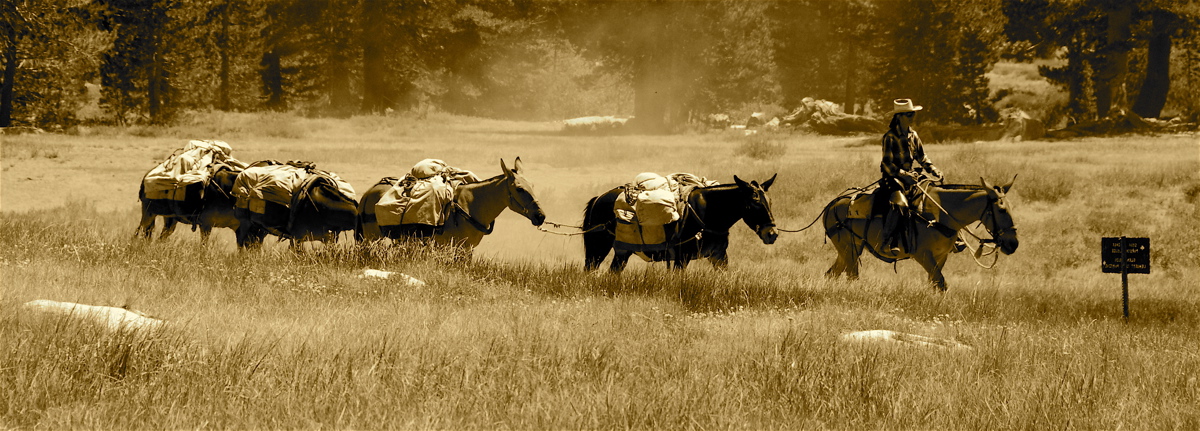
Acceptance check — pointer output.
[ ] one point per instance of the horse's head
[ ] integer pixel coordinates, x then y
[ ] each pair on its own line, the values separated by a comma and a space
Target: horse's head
997, 219
758, 208
520, 193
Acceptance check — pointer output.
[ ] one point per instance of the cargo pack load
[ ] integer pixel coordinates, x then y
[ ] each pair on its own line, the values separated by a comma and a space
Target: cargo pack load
648, 205
270, 190
183, 176
423, 196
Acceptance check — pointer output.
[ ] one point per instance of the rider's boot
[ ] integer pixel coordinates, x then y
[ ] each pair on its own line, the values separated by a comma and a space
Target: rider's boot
891, 238
959, 245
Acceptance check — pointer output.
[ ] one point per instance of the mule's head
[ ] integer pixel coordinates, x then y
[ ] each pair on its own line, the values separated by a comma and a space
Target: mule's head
758, 208
520, 193
997, 218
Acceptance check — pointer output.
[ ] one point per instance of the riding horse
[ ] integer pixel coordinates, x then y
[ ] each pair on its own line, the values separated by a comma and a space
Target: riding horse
206, 206
930, 243
702, 231
473, 211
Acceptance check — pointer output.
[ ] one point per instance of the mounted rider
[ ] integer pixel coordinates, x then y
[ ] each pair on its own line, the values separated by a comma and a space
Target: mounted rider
904, 165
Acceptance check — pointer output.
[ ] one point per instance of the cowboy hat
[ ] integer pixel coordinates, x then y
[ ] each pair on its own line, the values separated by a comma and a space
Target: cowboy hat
904, 105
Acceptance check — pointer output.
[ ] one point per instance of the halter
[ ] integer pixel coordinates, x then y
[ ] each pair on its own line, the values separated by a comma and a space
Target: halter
692, 213
990, 210
513, 202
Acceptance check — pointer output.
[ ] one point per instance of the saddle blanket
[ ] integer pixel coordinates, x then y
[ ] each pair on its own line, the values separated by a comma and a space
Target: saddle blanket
193, 164
423, 196
278, 184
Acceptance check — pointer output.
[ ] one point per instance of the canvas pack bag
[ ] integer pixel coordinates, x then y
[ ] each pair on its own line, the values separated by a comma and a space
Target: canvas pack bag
184, 174
423, 196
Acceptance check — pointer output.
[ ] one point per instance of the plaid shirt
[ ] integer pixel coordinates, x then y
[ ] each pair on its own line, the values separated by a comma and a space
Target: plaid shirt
899, 153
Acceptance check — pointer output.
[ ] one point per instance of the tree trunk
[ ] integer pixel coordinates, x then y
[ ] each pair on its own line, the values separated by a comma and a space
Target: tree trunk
155, 85
1110, 81
1153, 95
377, 94
272, 80
10, 73
224, 103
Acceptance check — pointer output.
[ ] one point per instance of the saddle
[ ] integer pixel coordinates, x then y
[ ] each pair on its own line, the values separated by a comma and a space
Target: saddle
422, 197
868, 203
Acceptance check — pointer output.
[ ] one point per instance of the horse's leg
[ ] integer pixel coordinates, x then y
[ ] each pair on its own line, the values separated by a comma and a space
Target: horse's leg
205, 231
168, 227
933, 264
620, 258
146, 226
596, 246
719, 259
250, 235
848, 249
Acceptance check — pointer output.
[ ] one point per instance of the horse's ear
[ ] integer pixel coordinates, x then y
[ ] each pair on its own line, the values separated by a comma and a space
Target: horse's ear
517, 167
504, 168
766, 185
739, 182
1009, 185
986, 184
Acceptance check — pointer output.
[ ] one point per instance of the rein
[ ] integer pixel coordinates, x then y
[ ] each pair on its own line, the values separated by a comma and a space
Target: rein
845, 193
983, 242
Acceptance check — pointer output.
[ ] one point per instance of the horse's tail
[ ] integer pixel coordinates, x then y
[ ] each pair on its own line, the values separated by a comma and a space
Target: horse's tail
597, 239
587, 212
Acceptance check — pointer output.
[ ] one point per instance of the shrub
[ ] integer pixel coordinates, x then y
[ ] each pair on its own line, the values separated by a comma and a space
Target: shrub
760, 147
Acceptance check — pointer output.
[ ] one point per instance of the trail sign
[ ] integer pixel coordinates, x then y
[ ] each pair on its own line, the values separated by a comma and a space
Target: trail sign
1131, 255
1125, 256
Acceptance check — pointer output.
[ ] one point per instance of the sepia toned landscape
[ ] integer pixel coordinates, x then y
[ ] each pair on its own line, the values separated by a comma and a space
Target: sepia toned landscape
390, 215
521, 337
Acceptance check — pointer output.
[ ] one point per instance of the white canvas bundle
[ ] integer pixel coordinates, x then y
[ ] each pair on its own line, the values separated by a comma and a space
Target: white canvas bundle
191, 166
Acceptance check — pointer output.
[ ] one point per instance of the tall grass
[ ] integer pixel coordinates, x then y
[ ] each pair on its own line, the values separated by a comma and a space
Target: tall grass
512, 339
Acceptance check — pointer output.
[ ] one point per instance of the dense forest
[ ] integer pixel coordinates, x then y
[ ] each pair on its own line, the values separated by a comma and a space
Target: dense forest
660, 61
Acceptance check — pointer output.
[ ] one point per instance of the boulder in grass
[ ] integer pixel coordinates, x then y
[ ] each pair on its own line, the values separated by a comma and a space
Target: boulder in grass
886, 337
111, 318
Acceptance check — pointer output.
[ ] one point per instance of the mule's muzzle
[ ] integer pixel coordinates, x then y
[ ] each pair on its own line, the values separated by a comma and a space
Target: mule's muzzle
537, 218
1008, 246
768, 234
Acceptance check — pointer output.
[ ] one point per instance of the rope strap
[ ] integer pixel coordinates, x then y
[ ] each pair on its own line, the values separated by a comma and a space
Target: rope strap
560, 225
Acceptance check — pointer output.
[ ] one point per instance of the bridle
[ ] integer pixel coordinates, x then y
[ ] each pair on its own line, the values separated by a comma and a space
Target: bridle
513, 203
990, 210
754, 197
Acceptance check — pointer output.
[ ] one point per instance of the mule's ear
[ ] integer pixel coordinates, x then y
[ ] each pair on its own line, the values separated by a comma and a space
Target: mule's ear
739, 182
517, 167
504, 168
986, 184
1009, 185
766, 185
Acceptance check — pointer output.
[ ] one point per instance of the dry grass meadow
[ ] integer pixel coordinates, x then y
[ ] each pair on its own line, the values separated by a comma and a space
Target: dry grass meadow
521, 338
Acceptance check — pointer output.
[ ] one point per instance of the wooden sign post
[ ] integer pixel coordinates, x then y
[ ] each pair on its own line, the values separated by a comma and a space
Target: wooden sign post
1126, 256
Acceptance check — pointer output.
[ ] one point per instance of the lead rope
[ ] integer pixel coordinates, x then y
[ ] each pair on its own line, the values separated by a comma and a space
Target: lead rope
978, 252
560, 225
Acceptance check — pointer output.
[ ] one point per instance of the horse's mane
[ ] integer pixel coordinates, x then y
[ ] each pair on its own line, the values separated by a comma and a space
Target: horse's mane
972, 187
